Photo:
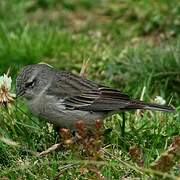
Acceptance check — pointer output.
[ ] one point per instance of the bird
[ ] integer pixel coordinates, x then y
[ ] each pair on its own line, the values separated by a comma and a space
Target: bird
63, 98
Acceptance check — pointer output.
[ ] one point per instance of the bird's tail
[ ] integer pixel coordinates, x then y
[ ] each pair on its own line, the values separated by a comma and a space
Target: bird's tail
156, 107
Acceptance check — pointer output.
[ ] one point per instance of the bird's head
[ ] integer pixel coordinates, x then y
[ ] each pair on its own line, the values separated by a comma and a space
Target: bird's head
32, 79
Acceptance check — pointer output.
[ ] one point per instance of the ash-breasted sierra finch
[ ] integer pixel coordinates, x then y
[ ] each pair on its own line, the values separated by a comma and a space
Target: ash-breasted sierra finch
64, 98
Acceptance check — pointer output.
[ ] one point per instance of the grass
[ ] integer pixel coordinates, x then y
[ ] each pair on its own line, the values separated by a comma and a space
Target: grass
130, 45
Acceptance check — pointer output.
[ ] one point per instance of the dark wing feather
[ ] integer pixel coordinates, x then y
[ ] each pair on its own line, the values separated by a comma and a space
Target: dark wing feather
112, 93
105, 99
82, 94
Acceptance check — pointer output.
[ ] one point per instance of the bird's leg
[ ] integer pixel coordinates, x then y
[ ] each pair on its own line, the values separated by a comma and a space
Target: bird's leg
123, 124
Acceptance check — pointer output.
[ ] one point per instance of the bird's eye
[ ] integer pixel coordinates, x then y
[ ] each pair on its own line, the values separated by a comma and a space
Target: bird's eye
30, 84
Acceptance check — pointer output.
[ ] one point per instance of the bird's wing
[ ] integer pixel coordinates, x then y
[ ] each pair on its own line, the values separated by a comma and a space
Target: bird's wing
67, 85
104, 99
82, 94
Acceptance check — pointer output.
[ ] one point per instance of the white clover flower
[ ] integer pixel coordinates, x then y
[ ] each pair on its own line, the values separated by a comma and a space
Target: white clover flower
6, 81
6, 98
160, 100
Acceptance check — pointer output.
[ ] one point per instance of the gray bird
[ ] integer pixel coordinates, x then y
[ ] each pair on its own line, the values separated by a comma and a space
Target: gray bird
64, 98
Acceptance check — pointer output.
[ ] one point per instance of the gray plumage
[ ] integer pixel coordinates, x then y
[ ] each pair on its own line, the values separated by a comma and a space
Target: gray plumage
64, 98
